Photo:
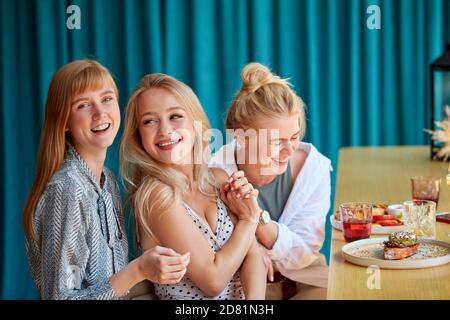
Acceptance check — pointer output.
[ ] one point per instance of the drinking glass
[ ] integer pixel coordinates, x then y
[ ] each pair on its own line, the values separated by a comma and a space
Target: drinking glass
356, 219
425, 188
419, 217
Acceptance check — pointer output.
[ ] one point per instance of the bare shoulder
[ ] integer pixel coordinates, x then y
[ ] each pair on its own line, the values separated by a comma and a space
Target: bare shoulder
297, 162
159, 222
176, 229
220, 175
172, 216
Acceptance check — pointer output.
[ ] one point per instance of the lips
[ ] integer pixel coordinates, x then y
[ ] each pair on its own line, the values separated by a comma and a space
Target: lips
168, 144
101, 128
281, 162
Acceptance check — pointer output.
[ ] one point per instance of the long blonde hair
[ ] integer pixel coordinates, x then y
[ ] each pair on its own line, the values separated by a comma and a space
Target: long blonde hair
152, 187
263, 95
70, 80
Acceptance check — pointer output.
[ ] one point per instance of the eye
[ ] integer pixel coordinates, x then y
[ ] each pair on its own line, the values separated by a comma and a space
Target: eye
82, 106
107, 99
295, 138
276, 142
149, 121
176, 117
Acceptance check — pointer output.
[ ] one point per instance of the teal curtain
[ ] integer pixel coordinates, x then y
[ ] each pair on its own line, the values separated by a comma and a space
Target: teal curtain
361, 86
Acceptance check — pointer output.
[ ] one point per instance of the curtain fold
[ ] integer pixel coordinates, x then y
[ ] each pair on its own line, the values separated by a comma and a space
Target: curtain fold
361, 86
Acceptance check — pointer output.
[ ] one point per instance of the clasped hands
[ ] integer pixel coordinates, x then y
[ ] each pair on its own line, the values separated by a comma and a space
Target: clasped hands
241, 199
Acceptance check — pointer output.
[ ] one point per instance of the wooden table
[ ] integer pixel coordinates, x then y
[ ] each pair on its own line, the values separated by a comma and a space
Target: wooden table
381, 175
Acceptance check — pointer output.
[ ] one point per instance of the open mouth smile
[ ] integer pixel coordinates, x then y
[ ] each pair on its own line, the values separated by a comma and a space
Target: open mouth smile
168, 144
280, 162
101, 128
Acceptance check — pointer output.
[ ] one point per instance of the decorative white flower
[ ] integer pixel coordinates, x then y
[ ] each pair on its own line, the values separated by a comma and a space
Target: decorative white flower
442, 134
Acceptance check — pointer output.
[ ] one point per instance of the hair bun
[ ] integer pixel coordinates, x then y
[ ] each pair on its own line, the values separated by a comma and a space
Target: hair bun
255, 75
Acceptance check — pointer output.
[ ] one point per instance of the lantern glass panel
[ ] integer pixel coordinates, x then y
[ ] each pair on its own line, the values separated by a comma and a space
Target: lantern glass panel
441, 97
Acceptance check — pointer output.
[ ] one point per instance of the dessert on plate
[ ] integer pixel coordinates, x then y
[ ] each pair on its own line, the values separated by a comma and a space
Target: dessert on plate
400, 245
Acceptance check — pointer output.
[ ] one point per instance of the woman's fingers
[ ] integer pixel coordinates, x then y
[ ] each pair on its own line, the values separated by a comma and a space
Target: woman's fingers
172, 277
179, 260
223, 195
270, 270
166, 251
174, 268
244, 191
267, 263
236, 184
175, 275
230, 196
236, 175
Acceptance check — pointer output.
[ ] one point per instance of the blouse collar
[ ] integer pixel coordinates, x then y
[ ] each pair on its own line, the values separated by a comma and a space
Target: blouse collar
73, 155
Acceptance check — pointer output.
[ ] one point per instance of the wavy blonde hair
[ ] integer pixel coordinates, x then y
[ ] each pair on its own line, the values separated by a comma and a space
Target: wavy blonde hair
263, 95
152, 186
70, 80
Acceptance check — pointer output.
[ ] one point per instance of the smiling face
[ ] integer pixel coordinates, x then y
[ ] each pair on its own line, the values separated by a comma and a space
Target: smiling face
276, 144
94, 120
166, 129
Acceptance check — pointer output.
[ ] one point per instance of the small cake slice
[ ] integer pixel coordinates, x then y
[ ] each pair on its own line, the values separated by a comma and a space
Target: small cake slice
401, 245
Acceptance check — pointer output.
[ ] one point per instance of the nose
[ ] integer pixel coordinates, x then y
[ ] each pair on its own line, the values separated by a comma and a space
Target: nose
99, 111
165, 128
288, 147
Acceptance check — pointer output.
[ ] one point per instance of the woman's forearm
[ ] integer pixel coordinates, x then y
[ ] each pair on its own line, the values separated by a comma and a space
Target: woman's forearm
228, 260
267, 234
125, 279
253, 276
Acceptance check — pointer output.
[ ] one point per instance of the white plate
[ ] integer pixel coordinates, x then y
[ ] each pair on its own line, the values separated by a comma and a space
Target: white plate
369, 252
375, 229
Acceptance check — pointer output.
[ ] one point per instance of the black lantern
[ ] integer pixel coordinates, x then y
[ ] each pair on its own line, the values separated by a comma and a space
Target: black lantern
440, 93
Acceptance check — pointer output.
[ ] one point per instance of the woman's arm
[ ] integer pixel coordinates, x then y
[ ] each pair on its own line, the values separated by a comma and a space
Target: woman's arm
254, 269
208, 270
268, 234
64, 247
157, 264
301, 236
253, 274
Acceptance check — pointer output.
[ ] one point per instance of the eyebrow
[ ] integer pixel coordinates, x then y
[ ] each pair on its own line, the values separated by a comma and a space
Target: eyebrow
298, 132
168, 110
84, 98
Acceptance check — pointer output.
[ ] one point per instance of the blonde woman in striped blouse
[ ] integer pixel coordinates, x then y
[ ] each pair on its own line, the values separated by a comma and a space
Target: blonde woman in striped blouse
73, 219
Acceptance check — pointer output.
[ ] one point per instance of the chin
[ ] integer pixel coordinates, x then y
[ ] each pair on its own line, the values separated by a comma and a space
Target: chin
107, 143
281, 170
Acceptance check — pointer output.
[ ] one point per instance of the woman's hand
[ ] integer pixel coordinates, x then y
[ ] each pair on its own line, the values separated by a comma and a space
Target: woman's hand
163, 265
240, 197
239, 185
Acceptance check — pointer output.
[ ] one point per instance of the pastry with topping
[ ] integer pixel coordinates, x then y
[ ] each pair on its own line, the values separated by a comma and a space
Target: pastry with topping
401, 245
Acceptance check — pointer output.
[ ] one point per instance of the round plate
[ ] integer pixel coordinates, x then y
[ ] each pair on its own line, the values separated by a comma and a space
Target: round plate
369, 252
375, 229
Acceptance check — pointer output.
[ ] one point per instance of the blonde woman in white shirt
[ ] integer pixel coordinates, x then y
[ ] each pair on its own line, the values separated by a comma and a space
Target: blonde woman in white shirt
267, 120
